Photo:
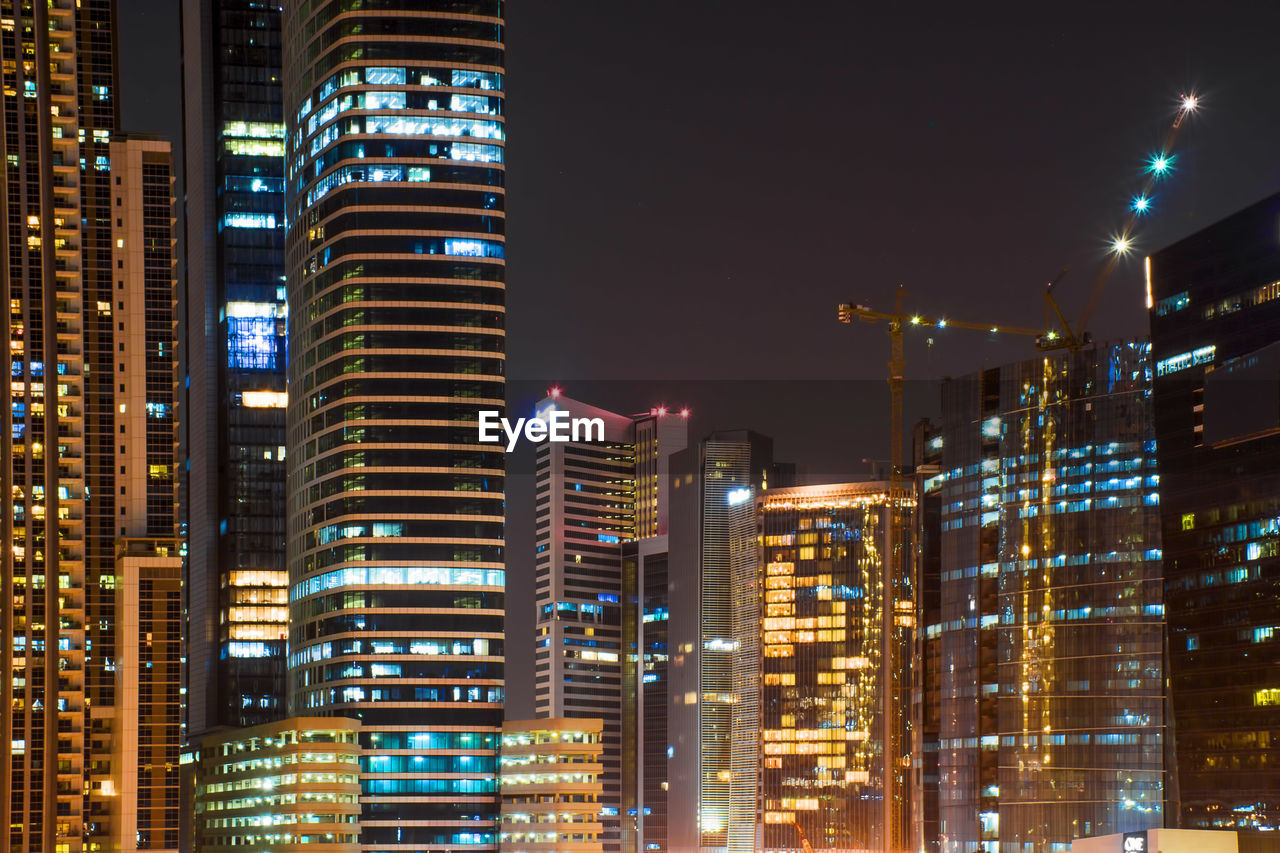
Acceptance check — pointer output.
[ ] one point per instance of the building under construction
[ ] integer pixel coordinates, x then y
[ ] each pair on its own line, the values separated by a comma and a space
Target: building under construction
1049, 618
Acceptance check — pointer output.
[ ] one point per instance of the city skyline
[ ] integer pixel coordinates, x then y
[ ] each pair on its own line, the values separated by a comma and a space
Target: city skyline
269, 586
1074, 127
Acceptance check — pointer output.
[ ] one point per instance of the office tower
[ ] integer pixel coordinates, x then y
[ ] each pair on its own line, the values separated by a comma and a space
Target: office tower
926, 677
829, 664
1215, 325
711, 800
550, 780
1050, 608
289, 785
89, 566
592, 499
646, 695
394, 258
233, 439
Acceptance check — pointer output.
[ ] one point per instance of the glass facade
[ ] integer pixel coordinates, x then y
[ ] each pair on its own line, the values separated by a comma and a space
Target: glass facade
1215, 324
831, 656
234, 439
926, 683
1051, 610
396, 335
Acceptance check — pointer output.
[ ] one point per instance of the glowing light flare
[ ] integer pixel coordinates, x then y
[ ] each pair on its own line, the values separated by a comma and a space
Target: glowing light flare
1160, 164
1121, 244
1140, 204
684, 413
554, 392
1189, 102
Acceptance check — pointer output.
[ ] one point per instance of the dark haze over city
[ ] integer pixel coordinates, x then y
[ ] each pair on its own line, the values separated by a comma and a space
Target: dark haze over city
694, 186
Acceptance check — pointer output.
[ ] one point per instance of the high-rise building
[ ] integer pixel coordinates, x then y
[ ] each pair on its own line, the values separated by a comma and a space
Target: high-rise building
833, 644
594, 499
926, 677
394, 259
145, 734
233, 438
550, 782
1049, 613
1215, 340
646, 695
711, 797
88, 633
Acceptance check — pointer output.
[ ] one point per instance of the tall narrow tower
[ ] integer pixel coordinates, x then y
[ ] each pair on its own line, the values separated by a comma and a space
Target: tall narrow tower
88, 574
233, 436
394, 259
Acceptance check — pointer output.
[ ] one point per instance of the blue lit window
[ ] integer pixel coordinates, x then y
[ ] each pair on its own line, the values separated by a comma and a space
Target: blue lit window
607, 596
472, 152
249, 220
251, 343
248, 650
384, 100
473, 248
469, 104
433, 126
472, 80
384, 76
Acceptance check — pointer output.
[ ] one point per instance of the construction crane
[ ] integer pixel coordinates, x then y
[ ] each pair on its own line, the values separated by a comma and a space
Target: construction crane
1159, 166
898, 322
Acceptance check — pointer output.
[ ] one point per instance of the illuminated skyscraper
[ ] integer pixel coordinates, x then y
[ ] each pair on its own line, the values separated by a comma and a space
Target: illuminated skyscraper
1050, 624
89, 571
1215, 341
712, 802
830, 650
593, 500
236, 580
394, 259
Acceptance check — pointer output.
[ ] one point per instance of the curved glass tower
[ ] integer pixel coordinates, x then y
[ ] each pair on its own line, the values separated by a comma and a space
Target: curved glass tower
394, 261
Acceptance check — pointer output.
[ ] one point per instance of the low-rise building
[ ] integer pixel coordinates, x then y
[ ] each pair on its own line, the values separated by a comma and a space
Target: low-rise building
288, 785
549, 776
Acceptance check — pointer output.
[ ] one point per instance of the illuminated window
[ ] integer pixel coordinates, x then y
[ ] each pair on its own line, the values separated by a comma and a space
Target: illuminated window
249, 220
384, 76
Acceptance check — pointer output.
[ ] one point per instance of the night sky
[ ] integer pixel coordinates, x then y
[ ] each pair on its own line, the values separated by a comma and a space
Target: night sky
694, 185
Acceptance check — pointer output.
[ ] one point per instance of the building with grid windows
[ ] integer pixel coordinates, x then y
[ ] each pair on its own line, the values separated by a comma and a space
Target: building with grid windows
1215, 342
233, 440
601, 519
89, 634
394, 259
1049, 613
833, 649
